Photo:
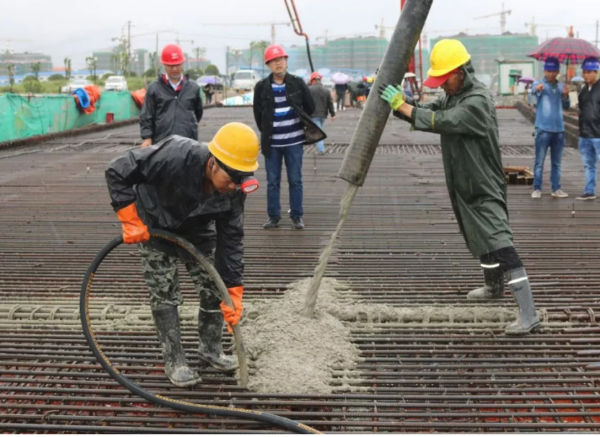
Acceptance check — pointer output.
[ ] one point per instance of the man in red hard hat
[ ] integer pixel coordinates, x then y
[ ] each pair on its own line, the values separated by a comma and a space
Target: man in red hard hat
283, 107
323, 105
173, 105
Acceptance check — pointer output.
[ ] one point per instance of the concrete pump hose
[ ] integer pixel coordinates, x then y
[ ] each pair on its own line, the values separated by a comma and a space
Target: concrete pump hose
159, 399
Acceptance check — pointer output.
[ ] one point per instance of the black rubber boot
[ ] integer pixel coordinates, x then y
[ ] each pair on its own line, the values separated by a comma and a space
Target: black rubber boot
493, 288
210, 348
166, 320
527, 320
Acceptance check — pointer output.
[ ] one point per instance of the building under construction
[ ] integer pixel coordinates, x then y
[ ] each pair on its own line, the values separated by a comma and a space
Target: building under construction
22, 62
359, 54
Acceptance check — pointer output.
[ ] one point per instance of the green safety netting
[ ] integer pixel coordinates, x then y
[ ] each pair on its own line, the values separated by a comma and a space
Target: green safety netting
23, 116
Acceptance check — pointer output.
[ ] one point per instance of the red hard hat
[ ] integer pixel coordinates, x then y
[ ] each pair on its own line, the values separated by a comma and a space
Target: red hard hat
172, 55
274, 52
315, 75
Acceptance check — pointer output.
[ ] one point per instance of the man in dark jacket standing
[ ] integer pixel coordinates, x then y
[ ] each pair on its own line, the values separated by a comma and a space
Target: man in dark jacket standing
196, 191
340, 93
466, 120
589, 125
282, 109
173, 105
323, 103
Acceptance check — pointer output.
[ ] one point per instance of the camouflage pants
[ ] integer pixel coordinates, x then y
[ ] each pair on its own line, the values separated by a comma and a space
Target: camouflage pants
162, 278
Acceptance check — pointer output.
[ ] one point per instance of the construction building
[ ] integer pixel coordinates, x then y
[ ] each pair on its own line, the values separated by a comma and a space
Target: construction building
353, 54
109, 59
23, 62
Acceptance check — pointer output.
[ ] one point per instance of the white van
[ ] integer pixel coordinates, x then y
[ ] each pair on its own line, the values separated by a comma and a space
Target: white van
244, 80
116, 83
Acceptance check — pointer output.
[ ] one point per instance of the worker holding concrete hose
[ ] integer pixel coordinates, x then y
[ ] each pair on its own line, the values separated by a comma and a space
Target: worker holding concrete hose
196, 191
466, 120
173, 105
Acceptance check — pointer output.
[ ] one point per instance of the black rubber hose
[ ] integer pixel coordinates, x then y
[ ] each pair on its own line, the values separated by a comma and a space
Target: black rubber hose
312, 68
189, 407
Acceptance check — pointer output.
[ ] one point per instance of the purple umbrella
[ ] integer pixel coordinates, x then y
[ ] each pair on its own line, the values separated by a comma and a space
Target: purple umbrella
340, 78
213, 80
527, 79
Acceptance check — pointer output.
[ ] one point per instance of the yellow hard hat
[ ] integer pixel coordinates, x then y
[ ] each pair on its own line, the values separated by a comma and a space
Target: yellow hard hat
370, 79
236, 145
447, 55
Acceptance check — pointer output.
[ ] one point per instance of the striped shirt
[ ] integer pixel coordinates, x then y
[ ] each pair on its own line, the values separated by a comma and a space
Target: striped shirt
287, 127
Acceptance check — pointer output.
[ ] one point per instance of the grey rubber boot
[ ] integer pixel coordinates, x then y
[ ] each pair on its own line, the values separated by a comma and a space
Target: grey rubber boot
166, 320
493, 288
527, 320
210, 348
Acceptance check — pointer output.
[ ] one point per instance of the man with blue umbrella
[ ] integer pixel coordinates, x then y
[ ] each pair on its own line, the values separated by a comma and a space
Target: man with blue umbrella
552, 99
589, 125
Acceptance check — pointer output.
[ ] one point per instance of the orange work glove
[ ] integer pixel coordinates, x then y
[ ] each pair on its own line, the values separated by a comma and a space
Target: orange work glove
134, 230
233, 315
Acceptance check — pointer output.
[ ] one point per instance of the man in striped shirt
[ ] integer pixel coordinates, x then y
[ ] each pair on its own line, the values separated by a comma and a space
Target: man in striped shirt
282, 109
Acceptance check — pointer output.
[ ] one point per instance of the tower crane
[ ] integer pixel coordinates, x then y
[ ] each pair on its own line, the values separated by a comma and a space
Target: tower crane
383, 28
502, 14
533, 26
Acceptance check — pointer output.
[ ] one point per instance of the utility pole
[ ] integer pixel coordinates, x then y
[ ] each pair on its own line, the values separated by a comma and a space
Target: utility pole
129, 45
597, 26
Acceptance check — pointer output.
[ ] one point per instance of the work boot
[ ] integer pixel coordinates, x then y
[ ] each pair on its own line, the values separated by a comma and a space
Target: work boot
297, 223
527, 320
271, 223
166, 320
494, 285
210, 349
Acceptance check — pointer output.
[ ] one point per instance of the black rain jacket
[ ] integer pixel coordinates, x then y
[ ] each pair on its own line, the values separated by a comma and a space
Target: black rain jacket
165, 181
298, 96
168, 112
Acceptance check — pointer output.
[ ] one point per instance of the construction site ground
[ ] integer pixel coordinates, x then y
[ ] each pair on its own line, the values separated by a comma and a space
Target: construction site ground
400, 247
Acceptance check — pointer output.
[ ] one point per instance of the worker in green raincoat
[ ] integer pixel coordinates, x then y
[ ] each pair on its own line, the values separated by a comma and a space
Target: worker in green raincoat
465, 117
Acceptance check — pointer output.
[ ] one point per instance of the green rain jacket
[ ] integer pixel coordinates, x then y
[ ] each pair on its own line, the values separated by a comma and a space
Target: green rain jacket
468, 127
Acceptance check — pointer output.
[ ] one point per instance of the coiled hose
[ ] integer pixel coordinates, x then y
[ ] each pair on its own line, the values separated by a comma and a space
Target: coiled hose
162, 400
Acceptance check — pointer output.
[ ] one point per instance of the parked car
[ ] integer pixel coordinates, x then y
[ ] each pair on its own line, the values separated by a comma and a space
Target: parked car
116, 83
215, 81
244, 80
72, 86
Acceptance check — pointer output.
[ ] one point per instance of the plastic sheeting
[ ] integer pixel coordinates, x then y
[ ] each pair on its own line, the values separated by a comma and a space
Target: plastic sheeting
25, 116
243, 100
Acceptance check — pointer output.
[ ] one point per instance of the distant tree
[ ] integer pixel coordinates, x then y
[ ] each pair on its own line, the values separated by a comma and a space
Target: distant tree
211, 70
132, 74
92, 62
67, 68
150, 72
114, 62
155, 68
194, 73
11, 75
124, 61
32, 85
56, 77
106, 76
35, 69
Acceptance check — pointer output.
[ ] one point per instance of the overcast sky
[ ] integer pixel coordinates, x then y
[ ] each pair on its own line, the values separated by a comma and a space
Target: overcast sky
75, 28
